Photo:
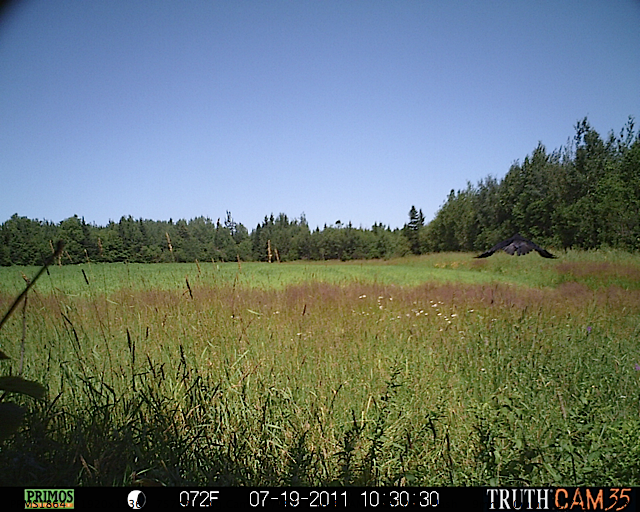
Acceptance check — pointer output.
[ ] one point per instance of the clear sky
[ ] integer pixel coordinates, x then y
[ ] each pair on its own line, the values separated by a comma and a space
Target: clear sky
344, 110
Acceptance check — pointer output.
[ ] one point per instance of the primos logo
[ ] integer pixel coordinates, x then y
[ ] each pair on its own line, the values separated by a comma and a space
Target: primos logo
48, 498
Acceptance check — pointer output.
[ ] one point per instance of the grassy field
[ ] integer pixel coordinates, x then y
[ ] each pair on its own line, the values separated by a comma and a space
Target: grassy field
432, 370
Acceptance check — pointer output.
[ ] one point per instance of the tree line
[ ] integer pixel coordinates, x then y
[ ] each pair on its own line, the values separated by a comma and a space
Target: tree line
583, 195
28, 242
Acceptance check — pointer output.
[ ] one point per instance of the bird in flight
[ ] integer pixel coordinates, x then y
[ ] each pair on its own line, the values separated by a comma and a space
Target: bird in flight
517, 245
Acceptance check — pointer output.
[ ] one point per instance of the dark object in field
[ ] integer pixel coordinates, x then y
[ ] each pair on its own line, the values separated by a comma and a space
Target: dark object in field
517, 245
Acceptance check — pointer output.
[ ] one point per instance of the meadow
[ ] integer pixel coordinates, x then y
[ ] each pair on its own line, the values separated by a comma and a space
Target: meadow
436, 370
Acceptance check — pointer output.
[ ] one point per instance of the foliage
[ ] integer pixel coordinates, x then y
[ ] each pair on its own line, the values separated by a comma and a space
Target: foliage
583, 196
27, 242
342, 373
412, 229
11, 415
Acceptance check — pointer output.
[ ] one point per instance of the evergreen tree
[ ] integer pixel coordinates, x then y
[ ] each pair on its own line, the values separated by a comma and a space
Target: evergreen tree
412, 229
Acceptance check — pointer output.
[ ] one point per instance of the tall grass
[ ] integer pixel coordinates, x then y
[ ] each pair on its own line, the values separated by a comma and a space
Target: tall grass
355, 373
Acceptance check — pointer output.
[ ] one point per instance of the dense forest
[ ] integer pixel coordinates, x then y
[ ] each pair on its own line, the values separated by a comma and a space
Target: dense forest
583, 195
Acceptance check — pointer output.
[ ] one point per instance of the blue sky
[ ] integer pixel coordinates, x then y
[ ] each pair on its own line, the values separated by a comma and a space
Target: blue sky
343, 110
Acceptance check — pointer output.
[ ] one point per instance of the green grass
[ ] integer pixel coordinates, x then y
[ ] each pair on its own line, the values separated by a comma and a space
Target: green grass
432, 370
594, 269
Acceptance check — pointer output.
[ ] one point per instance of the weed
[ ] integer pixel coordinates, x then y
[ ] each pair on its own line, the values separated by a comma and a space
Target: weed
328, 374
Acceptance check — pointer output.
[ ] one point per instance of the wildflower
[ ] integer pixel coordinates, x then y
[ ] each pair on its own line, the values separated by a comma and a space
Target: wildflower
637, 367
589, 330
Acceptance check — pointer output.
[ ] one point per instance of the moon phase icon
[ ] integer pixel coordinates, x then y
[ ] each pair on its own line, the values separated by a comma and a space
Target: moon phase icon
136, 499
